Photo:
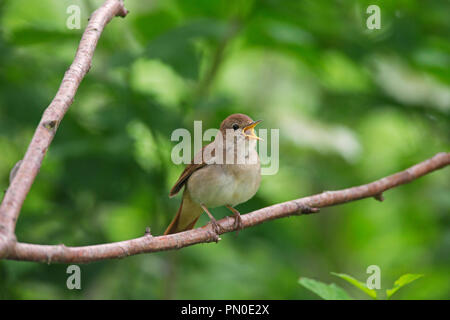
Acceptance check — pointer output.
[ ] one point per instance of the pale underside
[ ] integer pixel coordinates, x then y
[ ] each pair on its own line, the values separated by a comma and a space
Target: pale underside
224, 184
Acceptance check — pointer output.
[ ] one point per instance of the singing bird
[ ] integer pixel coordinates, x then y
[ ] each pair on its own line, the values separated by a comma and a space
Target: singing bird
225, 172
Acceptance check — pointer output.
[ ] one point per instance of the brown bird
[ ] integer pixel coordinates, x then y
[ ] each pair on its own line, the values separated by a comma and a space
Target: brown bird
225, 172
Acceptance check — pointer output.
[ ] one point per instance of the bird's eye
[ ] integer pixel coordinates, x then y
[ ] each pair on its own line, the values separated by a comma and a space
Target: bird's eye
235, 126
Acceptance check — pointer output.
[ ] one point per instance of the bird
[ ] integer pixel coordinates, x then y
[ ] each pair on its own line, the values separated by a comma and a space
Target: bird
225, 172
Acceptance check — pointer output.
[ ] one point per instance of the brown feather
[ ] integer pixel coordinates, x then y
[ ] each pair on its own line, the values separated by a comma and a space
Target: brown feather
189, 170
188, 214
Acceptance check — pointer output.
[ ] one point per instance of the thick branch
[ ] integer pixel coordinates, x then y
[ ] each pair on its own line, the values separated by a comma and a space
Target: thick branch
43, 136
147, 243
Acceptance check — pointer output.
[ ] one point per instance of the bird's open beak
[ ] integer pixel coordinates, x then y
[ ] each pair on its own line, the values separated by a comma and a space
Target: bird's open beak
251, 129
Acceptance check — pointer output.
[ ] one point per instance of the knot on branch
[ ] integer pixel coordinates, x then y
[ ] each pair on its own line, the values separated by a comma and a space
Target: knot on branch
122, 10
50, 125
303, 208
148, 232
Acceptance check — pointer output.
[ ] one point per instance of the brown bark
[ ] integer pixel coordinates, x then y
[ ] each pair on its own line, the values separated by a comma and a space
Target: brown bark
148, 243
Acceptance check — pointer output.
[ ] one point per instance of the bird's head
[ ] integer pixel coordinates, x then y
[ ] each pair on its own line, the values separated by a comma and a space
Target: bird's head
240, 125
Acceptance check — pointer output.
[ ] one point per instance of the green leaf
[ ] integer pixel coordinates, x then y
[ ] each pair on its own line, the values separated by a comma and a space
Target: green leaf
401, 282
323, 290
360, 285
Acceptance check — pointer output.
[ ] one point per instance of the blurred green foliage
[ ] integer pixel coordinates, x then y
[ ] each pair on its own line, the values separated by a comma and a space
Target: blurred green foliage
334, 292
351, 104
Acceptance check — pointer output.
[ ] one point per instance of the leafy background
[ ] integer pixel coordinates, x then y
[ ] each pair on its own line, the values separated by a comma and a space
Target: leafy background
351, 104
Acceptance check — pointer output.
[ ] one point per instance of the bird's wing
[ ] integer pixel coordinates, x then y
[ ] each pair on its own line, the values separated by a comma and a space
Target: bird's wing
189, 170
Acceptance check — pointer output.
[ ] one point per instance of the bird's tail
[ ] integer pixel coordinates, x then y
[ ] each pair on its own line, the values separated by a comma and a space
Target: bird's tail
187, 215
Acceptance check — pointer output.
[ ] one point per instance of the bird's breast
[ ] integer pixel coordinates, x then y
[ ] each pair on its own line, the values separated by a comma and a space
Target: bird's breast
224, 184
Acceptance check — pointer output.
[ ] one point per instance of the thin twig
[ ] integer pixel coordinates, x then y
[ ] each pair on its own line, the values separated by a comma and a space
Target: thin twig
145, 244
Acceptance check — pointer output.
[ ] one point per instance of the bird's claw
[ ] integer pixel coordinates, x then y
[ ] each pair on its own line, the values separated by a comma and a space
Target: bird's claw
237, 223
217, 227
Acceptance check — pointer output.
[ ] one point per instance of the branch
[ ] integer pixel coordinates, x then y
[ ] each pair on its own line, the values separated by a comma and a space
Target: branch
43, 136
148, 243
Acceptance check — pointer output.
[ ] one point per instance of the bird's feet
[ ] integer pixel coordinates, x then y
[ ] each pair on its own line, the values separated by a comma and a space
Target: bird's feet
238, 225
217, 228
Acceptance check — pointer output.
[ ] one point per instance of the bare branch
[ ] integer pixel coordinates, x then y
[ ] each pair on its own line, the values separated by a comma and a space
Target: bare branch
23, 177
147, 243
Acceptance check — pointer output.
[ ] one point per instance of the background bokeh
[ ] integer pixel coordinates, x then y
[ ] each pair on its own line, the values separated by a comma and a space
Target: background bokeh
352, 105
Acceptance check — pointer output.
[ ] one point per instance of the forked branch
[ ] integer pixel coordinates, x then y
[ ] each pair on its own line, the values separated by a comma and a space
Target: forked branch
45, 131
